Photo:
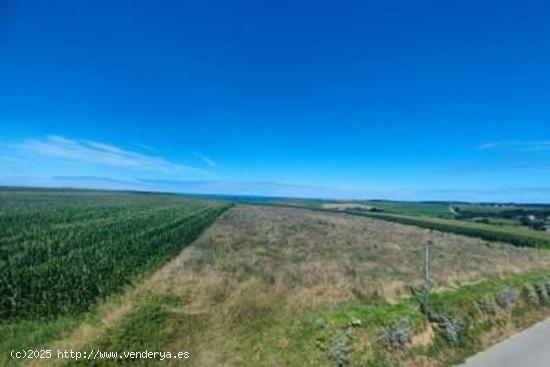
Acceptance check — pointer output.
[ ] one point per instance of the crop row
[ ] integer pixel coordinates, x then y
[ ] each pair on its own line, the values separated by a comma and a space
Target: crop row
56, 269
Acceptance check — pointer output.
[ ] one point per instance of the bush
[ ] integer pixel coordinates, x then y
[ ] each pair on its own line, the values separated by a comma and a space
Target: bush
530, 294
542, 292
397, 335
507, 297
340, 348
452, 326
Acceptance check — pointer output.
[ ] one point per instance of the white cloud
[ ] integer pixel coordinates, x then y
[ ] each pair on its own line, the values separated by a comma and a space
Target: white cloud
531, 145
94, 152
487, 146
145, 146
205, 159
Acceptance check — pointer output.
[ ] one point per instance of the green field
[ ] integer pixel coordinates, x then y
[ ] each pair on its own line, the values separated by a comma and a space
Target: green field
62, 251
436, 209
439, 210
510, 215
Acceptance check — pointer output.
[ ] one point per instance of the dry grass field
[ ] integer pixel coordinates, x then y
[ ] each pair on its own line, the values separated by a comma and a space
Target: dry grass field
239, 295
320, 258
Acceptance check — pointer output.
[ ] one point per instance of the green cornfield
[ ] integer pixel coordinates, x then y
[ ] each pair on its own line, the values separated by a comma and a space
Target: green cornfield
62, 251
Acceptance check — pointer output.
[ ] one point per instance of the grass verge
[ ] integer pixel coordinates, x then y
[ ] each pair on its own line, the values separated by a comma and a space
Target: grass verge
376, 333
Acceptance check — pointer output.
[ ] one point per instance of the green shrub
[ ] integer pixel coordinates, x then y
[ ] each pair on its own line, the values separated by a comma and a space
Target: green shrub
339, 351
530, 294
397, 335
542, 292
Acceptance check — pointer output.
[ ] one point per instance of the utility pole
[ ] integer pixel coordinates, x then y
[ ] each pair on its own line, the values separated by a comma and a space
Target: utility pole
427, 281
422, 295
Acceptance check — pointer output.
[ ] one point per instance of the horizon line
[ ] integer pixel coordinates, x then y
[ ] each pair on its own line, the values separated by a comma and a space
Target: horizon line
136, 191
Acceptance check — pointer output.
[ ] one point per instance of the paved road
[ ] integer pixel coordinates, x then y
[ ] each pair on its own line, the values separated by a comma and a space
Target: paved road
530, 348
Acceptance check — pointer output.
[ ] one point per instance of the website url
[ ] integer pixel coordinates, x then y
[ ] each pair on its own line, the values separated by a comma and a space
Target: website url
95, 354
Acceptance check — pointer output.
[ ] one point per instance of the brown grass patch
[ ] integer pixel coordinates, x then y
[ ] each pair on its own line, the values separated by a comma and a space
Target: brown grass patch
325, 258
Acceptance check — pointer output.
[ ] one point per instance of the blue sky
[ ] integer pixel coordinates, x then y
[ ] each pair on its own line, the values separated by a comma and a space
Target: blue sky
428, 100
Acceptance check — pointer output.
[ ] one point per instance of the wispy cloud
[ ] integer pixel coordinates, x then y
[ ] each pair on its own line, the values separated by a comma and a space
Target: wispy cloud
93, 179
531, 145
80, 182
145, 146
205, 159
488, 146
88, 151
510, 155
535, 166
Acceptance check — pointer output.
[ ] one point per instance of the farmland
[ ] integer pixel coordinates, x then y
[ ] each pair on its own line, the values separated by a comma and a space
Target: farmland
512, 234
438, 216
268, 285
245, 284
63, 251
430, 209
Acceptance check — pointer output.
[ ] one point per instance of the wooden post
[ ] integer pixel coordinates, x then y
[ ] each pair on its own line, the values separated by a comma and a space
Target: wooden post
427, 280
